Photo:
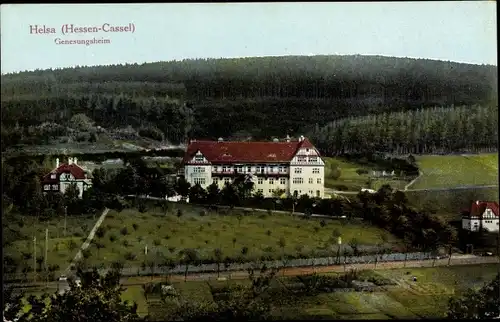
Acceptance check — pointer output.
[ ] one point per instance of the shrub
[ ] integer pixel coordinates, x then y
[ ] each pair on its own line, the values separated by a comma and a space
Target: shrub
156, 242
200, 228
140, 238
158, 226
361, 171
167, 237
209, 224
112, 238
135, 226
268, 233
316, 229
171, 249
206, 242
100, 232
341, 187
124, 231
244, 250
322, 223
129, 256
203, 213
86, 253
125, 243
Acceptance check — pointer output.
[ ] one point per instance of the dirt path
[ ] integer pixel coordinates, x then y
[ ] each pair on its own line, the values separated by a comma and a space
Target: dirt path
86, 244
420, 173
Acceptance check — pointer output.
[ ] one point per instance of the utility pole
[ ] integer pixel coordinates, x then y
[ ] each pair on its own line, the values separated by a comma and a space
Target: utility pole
34, 258
46, 253
65, 215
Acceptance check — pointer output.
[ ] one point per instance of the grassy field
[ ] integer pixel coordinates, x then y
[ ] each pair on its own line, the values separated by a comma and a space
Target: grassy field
129, 232
452, 201
21, 230
457, 170
352, 180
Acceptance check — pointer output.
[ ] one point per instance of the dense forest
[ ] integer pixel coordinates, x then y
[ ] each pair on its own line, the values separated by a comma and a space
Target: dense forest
256, 97
431, 130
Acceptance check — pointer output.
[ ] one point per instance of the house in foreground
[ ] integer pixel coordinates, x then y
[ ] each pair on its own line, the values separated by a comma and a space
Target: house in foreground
482, 215
65, 174
290, 166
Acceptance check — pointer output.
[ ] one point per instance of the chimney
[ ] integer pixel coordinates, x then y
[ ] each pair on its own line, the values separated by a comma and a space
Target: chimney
288, 138
221, 139
477, 202
301, 138
70, 160
75, 160
57, 162
275, 140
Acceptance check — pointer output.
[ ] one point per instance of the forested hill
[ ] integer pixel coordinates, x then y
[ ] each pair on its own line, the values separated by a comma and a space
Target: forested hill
259, 97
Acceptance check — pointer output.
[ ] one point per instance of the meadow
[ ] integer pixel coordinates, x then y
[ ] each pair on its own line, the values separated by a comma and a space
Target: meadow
20, 230
349, 178
451, 201
448, 171
250, 236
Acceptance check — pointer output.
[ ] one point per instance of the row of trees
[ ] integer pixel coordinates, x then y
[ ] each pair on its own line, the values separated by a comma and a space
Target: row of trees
431, 130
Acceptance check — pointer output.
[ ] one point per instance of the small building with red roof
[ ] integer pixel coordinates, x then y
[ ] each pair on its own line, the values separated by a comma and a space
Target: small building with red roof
289, 166
482, 215
66, 174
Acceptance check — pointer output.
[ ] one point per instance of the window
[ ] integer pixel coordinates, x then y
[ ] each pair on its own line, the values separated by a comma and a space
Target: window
270, 190
224, 169
200, 181
318, 193
282, 169
199, 158
215, 180
199, 169
46, 187
260, 190
311, 180
53, 176
282, 181
227, 180
298, 180
260, 181
301, 159
55, 187
316, 170
313, 159
307, 150
249, 169
319, 180
271, 180
298, 170
310, 192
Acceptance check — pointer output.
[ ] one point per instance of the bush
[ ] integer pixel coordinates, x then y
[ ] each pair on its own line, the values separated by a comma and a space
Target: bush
100, 232
341, 187
86, 253
112, 238
124, 231
129, 256
361, 171
322, 223
156, 242
135, 226
125, 243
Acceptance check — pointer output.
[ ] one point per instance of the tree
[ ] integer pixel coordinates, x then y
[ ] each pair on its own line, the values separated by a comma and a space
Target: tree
189, 257
97, 299
354, 243
218, 259
12, 304
480, 304
182, 187
197, 194
213, 194
229, 195
282, 245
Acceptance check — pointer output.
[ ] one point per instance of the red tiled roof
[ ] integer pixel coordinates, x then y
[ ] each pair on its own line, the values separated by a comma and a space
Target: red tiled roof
74, 169
479, 207
246, 152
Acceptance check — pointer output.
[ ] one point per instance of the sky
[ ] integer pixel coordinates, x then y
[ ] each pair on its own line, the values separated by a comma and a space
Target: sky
462, 31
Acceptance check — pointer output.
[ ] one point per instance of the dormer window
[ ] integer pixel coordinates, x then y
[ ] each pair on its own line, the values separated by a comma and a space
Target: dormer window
199, 158
53, 175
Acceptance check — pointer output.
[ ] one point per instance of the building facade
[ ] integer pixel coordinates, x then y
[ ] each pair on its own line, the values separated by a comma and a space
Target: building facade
482, 215
289, 167
66, 174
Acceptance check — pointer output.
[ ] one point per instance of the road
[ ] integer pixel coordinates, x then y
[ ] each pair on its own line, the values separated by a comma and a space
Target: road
292, 271
331, 191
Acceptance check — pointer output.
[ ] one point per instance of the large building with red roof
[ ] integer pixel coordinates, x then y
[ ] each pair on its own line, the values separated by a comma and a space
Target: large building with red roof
65, 174
288, 166
482, 215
